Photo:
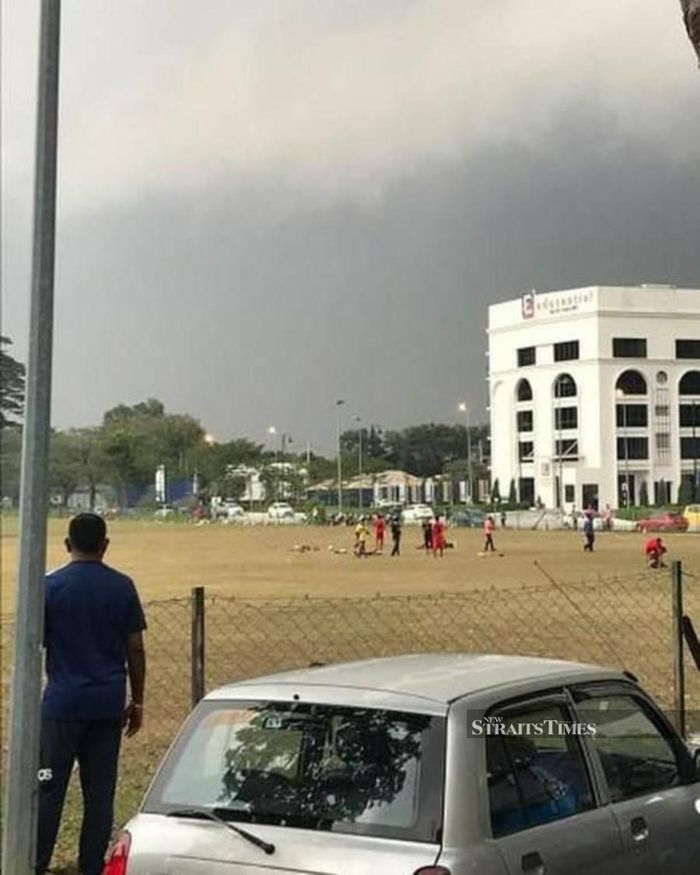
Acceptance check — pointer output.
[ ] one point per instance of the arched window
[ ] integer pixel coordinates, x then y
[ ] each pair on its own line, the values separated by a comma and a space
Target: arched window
690, 383
631, 383
564, 386
523, 391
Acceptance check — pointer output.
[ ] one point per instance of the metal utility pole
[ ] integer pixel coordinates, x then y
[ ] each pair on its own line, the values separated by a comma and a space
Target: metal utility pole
21, 790
338, 405
358, 420
695, 452
464, 407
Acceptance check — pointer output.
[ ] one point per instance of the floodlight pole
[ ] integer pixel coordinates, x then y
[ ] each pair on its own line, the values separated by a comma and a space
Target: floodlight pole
21, 791
338, 405
358, 420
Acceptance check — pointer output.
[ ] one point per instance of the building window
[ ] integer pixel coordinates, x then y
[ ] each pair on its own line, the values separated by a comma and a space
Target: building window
526, 490
565, 417
520, 794
662, 411
567, 351
526, 451
567, 449
688, 349
632, 416
527, 356
632, 448
523, 391
690, 448
629, 347
569, 493
690, 383
631, 383
564, 386
662, 492
662, 441
524, 420
690, 415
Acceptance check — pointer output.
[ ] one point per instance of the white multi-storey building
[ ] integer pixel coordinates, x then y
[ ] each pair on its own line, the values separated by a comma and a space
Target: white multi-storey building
595, 396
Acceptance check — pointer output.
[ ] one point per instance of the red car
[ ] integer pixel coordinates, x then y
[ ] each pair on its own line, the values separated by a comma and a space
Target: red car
664, 522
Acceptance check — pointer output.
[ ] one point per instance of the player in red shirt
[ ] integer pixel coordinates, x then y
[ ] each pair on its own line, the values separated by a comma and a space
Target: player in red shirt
438, 539
379, 529
654, 551
489, 528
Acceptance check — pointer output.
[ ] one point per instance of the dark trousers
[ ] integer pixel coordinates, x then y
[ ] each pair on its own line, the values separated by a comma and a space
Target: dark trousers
590, 541
488, 544
396, 549
95, 746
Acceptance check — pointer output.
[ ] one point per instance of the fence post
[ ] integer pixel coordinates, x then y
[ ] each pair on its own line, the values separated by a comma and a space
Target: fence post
197, 642
677, 644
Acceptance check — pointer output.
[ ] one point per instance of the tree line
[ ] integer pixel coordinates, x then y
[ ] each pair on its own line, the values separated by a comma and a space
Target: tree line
132, 441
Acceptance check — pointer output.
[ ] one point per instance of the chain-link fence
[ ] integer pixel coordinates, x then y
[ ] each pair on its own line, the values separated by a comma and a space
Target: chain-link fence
625, 622
197, 643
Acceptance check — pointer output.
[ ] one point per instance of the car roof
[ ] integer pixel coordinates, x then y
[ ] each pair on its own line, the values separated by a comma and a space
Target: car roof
436, 677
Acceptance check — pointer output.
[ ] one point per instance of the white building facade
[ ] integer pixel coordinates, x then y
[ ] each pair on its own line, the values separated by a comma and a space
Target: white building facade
595, 396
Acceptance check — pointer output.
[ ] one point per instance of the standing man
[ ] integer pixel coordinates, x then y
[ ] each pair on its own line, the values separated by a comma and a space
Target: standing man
438, 536
379, 529
93, 637
589, 533
489, 528
396, 534
427, 527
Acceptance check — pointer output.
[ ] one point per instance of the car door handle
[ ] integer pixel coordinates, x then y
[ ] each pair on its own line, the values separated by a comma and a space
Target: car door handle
640, 829
533, 864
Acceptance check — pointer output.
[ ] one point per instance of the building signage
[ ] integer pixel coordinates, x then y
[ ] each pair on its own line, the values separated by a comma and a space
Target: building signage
554, 304
528, 304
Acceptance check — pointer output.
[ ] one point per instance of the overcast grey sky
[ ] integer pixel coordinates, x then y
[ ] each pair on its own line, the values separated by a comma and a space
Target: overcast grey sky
266, 205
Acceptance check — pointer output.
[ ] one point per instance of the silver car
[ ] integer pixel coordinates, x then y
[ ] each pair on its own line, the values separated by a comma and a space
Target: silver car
423, 765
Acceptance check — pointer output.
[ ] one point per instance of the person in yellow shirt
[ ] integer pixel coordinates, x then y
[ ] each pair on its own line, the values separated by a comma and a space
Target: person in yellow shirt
361, 535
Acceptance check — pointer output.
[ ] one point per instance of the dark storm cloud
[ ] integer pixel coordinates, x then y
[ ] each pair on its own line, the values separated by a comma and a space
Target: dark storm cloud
264, 212
228, 305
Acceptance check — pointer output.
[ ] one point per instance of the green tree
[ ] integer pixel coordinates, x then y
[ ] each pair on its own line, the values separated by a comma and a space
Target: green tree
512, 493
138, 439
495, 492
10, 462
425, 450
644, 494
233, 486
213, 461
12, 381
66, 464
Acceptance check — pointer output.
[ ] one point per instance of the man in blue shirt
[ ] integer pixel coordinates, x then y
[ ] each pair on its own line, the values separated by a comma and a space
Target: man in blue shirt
93, 637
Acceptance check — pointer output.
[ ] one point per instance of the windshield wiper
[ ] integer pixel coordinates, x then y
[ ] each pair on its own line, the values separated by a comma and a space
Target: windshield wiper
210, 814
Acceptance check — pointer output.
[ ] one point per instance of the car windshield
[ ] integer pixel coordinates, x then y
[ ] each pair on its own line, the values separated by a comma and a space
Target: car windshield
352, 770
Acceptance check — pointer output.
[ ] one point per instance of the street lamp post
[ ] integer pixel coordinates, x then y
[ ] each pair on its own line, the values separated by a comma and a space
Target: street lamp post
272, 431
620, 394
338, 405
358, 419
695, 453
470, 487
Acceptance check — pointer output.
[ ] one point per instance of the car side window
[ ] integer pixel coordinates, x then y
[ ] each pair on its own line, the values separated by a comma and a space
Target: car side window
636, 755
534, 777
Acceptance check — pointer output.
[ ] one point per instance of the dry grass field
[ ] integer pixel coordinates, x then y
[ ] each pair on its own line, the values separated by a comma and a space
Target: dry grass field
270, 606
167, 559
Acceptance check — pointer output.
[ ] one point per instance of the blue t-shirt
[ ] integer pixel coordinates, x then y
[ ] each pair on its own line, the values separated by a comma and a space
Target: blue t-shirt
90, 611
